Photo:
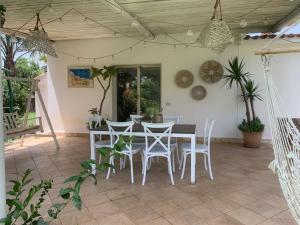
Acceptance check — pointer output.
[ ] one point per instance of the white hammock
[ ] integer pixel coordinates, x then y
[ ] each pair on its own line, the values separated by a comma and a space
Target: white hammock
286, 144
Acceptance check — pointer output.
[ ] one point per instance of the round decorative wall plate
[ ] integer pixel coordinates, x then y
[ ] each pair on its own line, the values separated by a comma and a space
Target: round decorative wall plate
198, 93
211, 71
184, 78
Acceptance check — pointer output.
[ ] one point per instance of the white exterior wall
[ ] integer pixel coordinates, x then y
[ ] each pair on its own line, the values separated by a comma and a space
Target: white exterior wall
68, 107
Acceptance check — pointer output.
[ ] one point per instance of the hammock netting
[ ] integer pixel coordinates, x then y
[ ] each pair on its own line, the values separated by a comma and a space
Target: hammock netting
286, 144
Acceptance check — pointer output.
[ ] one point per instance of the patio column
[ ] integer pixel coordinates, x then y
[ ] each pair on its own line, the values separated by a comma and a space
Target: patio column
2, 160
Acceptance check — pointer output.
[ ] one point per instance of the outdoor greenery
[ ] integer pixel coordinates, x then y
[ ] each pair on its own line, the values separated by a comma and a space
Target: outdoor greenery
2, 10
104, 76
23, 208
249, 91
19, 90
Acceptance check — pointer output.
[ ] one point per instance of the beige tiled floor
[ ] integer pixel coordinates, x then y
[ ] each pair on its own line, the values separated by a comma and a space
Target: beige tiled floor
244, 191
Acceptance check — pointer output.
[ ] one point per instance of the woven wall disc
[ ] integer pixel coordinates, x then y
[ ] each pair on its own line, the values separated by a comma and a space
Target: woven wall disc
198, 93
211, 71
184, 78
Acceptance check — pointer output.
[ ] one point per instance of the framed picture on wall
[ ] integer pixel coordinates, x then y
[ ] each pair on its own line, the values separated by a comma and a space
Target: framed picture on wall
80, 77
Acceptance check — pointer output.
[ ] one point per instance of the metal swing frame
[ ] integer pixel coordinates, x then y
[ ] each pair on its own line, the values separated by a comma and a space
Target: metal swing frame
14, 126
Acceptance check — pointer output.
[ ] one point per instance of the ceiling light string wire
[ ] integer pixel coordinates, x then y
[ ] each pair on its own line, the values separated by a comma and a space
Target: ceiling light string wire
102, 57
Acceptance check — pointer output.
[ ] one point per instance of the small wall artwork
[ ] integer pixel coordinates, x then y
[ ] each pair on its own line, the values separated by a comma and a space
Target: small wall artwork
80, 77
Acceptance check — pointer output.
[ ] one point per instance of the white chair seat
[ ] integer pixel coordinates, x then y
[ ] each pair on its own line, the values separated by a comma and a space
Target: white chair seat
102, 143
200, 148
135, 149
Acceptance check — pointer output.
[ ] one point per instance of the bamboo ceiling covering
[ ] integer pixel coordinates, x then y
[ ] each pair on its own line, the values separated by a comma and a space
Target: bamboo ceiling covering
158, 16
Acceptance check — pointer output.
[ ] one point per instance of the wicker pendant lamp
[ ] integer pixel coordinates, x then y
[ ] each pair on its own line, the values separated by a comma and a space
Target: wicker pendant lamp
216, 35
38, 40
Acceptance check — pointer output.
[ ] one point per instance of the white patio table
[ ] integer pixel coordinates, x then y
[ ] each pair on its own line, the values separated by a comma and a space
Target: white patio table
178, 131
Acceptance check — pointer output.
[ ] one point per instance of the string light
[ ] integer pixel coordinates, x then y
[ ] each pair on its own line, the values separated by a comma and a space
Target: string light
266, 22
50, 8
85, 19
94, 60
174, 46
243, 23
134, 22
112, 57
145, 44
190, 32
60, 19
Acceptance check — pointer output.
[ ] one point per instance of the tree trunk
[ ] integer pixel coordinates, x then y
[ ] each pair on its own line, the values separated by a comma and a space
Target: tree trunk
252, 109
246, 102
104, 94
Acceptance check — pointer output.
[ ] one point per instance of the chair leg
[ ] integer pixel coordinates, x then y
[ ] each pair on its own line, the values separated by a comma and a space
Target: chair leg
109, 168
181, 159
100, 159
131, 168
124, 161
177, 151
145, 170
170, 169
209, 167
173, 159
205, 162
183, 165
143, 162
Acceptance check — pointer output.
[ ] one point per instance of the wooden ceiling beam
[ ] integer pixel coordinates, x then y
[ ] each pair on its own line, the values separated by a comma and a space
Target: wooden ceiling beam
116, 7
289, 20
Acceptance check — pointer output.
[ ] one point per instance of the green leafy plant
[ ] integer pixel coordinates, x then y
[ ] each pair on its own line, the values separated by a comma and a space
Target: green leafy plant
152, 109
239, 77
104, 76
253, 126
23, 209
2, 10
93, 111
250, 93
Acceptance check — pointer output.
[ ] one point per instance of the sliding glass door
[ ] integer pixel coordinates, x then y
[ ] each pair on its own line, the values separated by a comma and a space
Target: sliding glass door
138, 88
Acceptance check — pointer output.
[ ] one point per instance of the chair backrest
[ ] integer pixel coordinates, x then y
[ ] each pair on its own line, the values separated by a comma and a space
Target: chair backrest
155, 135
118, 129
136, 118
94, 121
12, 121
170, 118
209, 123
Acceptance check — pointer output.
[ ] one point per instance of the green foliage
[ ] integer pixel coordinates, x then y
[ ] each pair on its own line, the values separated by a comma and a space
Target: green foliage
93, 111
152, 108
236, 72
102, 74
2, 10
253, 126
20, 90
249, 93
252, 91
24, 209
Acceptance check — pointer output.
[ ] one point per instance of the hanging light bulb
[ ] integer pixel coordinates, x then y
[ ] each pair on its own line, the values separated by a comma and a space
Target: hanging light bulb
190, 32
266, 22
50, 8
85, 19
134, 22
13, 39
145, 44
174, 46
243, 23
60, 20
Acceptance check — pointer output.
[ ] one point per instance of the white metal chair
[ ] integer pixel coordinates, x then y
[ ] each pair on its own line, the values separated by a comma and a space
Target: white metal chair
95, 121
117, 129
174, 142
200, 148
155, 146
136, 118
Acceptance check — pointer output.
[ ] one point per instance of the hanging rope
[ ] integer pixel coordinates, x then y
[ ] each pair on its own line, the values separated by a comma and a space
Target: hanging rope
286, 143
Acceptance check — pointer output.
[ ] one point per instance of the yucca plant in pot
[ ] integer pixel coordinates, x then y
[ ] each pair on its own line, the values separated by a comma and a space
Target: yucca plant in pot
251, 127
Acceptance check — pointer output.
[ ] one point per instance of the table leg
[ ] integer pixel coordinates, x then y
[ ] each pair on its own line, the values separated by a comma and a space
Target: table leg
93, 151
193, 159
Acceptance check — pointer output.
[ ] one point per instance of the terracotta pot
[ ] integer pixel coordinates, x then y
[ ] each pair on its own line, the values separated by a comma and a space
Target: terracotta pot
2, 21
252, 139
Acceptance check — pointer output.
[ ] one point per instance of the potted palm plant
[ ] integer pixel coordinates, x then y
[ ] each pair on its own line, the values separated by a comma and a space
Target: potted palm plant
251, 127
